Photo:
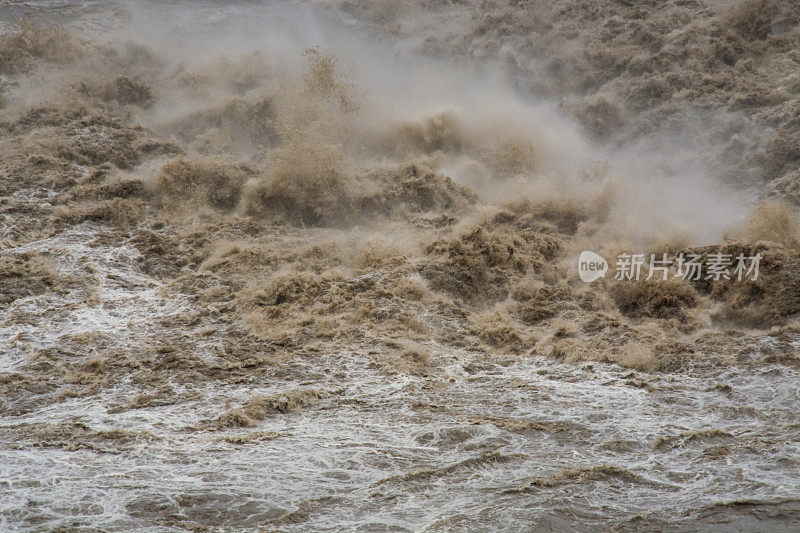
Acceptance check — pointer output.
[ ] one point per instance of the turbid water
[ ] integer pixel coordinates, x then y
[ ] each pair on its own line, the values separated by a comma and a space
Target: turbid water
311, 266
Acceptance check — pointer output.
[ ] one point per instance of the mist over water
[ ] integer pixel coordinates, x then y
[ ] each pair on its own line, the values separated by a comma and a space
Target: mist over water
310, 266
660, 186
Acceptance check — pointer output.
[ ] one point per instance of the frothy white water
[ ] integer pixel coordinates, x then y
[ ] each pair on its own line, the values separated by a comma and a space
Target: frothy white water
114, 299
378, 454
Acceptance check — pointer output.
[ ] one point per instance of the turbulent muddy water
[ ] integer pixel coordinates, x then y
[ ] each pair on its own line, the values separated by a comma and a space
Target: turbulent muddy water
531, 444
310, 266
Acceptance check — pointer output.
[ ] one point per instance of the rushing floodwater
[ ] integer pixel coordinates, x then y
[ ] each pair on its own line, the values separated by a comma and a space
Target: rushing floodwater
379, 453
533, 444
